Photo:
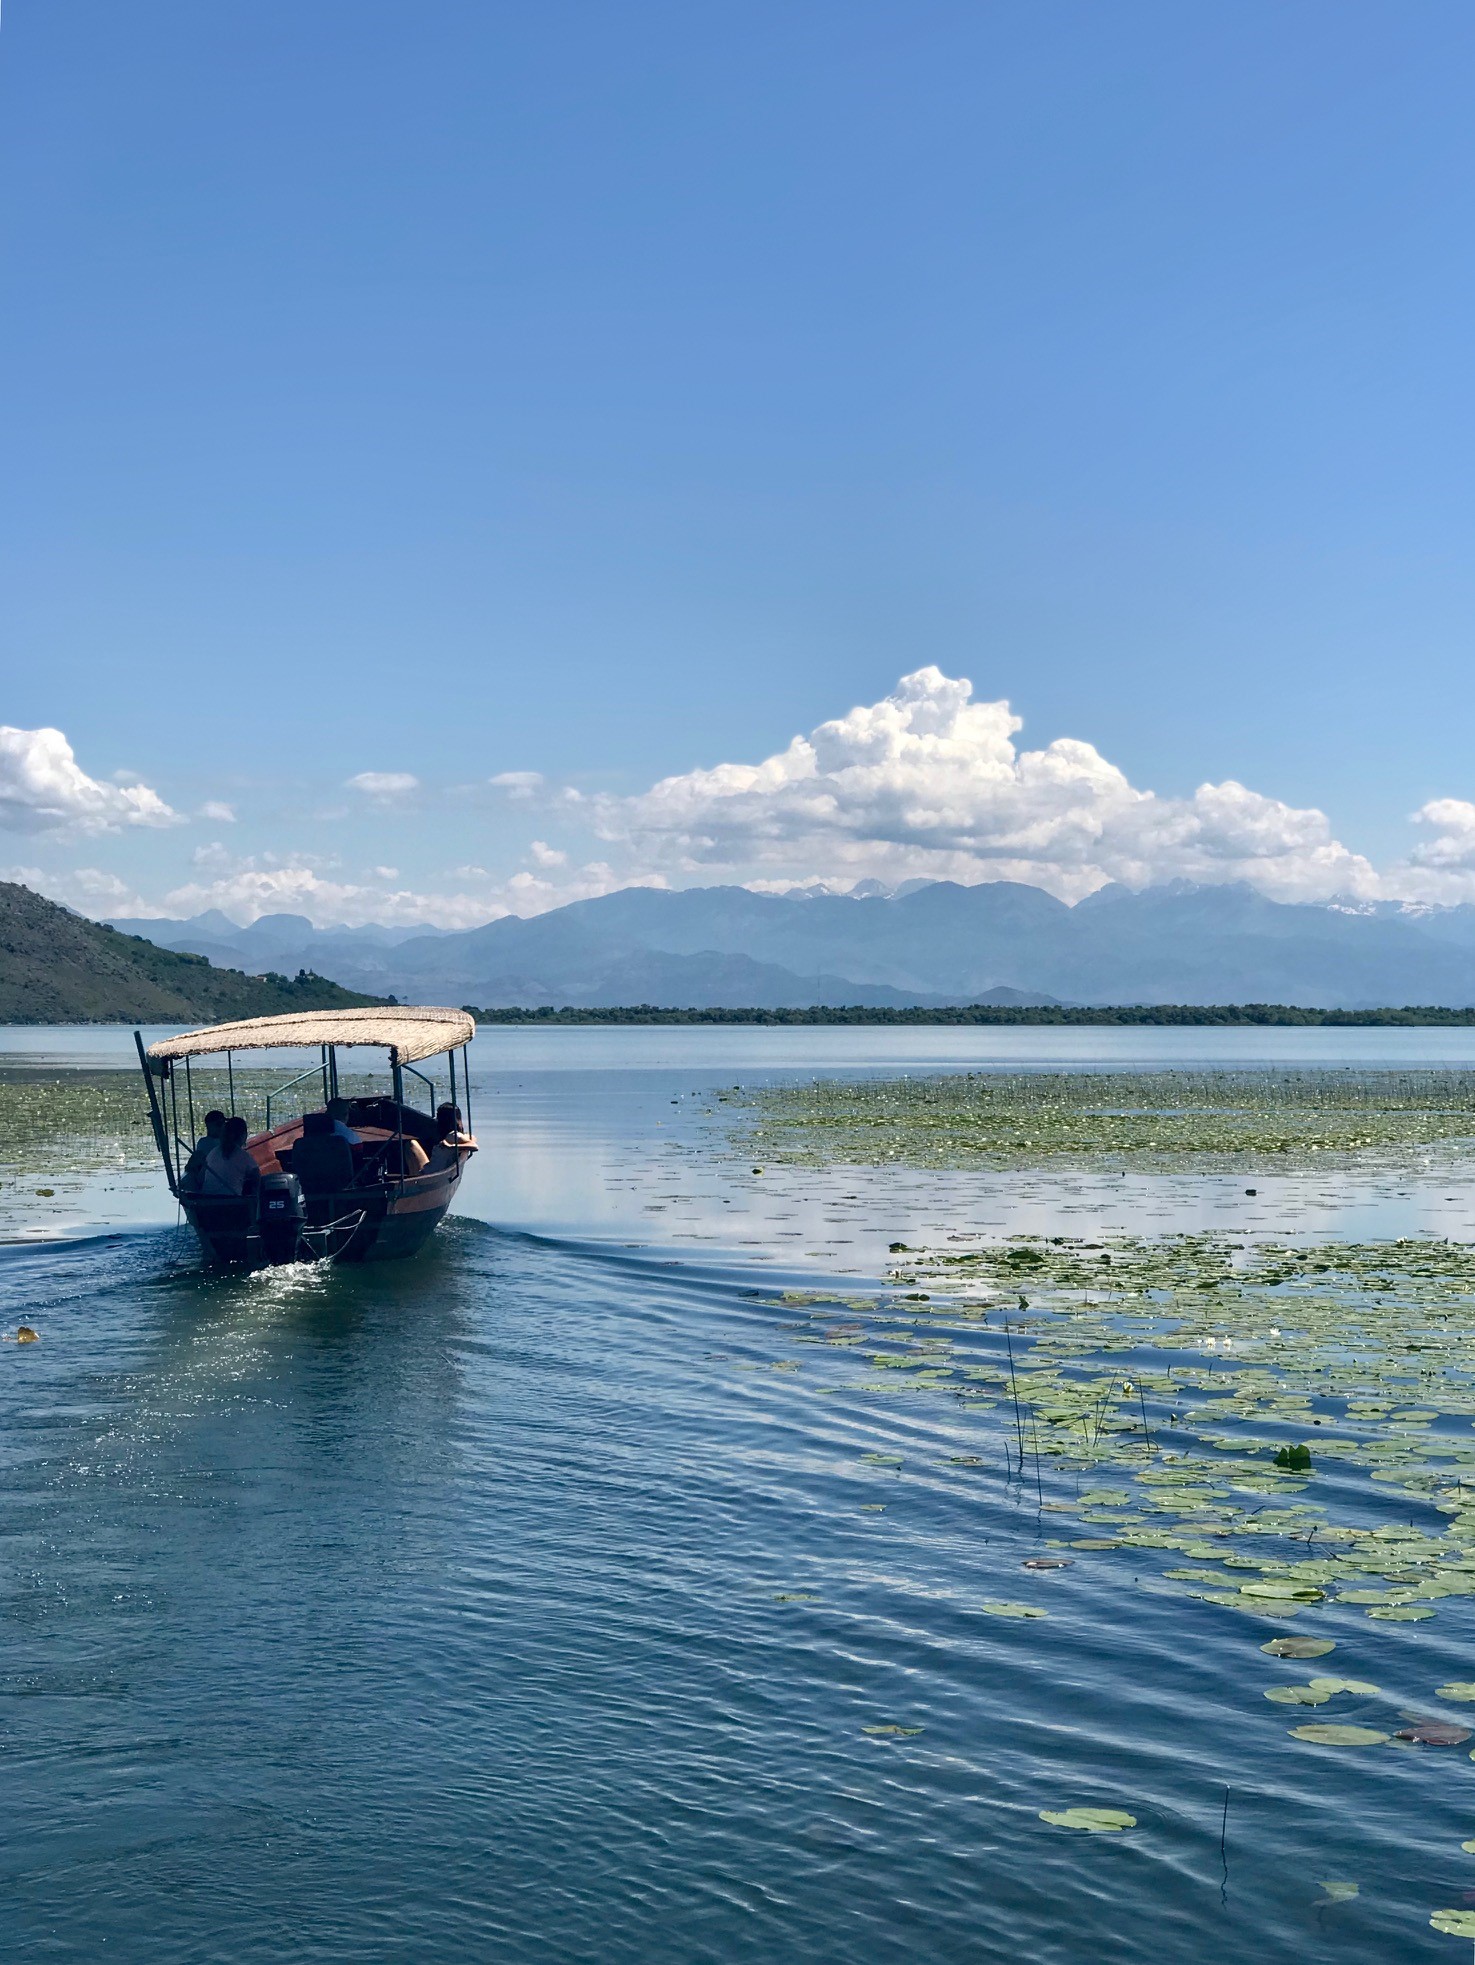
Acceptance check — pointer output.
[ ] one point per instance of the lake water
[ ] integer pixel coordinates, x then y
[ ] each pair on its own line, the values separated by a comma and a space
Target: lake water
436, 1611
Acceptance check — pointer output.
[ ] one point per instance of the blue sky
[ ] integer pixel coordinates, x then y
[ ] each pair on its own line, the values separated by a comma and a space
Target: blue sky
613, 393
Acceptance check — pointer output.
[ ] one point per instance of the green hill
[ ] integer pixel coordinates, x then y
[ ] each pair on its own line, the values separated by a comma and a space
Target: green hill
56, 967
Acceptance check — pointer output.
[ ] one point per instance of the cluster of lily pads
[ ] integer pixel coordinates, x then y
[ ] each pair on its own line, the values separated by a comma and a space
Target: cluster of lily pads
1220, 1377
1187, 1395
1274, 1118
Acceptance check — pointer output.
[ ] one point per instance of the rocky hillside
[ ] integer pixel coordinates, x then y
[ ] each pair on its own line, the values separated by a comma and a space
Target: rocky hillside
57, 968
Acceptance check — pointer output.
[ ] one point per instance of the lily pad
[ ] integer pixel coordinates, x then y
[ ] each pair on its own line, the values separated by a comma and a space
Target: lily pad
1046, 1562
1284, 1588
1340, 1893
1012, 1610
1459, 1689
1339, 1736
1435, 1733
1455, 1923
1301, 1647
892, 1732
1400, 1613
1094, 1821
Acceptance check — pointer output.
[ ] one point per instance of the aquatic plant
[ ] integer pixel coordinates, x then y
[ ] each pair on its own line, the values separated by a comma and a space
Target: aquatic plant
1017, 1119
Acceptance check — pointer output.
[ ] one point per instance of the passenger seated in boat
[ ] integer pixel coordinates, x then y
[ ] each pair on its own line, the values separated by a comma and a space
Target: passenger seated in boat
229, 1168
415, 1159
451, 1126
337, 1110
194, 1166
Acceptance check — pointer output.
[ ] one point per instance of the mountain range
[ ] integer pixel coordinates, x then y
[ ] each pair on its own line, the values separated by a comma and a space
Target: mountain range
928, 943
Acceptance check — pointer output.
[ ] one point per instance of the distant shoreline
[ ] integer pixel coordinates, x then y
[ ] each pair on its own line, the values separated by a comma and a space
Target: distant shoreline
1253, 1015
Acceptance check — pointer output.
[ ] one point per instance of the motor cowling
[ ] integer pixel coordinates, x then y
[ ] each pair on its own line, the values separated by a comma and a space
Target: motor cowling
281, 1216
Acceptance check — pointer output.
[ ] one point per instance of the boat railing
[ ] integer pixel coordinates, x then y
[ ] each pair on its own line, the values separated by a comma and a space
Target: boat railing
280, 1091
426, 1082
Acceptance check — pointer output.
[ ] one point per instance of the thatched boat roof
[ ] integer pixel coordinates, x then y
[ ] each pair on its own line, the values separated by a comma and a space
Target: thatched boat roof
407, 1031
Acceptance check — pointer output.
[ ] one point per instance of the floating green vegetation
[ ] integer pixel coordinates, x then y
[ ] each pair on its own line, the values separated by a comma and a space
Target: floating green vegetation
1147, 1118
1340, 1736
71, 1121
1145, 1398
56, 1124
1091, 1821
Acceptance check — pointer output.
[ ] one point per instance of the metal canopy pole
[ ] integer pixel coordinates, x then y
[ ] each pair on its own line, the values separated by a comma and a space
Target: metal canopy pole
156, 1116
230, 1072
399, 1114
174, 1114
333, 1068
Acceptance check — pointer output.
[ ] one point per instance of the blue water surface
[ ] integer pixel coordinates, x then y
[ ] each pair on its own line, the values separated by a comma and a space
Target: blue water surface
433, 1611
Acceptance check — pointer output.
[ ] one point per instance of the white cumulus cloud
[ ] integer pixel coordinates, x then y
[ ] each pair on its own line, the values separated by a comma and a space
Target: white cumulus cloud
87, 889
44, 789
384, 786
518, 784
467, 897
929, 783
1451, 849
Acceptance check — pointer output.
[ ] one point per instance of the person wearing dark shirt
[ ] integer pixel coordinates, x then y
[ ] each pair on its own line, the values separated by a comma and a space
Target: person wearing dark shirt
194, 1166
337, 1110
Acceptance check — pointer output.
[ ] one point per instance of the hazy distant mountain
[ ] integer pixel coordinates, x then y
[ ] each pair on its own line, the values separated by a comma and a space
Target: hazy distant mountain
924, 943
285, 942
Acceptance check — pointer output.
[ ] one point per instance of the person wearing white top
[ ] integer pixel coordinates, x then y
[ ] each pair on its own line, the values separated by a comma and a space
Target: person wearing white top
229, 1168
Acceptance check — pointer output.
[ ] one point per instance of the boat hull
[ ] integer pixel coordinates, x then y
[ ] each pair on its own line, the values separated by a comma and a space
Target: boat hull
384, 1224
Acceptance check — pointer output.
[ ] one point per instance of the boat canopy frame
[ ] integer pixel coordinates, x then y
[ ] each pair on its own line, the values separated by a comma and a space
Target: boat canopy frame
409, 1033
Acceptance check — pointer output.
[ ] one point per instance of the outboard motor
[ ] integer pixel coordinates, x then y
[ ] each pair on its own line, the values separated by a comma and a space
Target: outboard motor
281, 1216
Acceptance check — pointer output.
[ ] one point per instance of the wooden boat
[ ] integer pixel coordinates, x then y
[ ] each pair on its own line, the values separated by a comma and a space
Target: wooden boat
321, 1198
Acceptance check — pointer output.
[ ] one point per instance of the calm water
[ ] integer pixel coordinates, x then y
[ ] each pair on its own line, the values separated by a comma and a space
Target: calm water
430, 1611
